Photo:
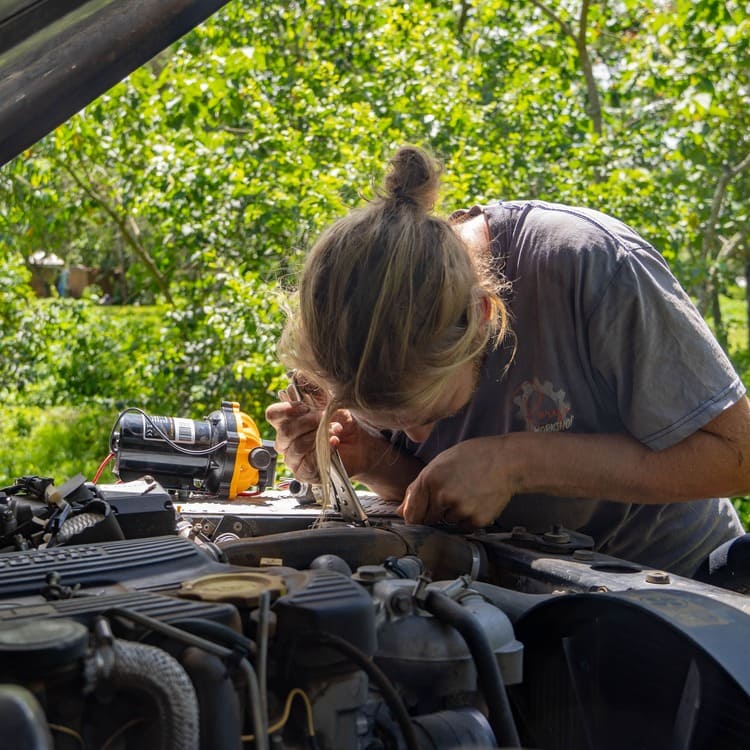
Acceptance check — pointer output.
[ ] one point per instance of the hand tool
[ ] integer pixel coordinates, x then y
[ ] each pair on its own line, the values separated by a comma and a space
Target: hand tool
344, 496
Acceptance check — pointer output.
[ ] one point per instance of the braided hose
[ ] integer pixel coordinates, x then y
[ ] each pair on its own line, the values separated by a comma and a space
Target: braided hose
152, 671
76, 524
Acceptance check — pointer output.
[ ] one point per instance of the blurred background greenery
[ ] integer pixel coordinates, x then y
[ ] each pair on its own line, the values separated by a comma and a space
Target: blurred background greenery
187, 195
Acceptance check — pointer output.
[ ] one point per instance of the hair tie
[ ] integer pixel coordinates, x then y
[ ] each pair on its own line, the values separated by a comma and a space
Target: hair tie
401, 197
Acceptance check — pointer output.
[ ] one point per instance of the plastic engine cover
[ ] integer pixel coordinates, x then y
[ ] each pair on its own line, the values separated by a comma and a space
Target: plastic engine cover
324, 601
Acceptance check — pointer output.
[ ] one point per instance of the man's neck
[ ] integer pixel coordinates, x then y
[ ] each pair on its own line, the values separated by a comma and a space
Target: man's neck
475, 233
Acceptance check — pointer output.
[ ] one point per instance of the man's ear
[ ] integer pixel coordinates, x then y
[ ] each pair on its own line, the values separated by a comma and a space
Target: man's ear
486, 308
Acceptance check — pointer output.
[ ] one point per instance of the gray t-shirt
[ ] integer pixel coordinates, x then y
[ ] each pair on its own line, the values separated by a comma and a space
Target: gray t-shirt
606, 341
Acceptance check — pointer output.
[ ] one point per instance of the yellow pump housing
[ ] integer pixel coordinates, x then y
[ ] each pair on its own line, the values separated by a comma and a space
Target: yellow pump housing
249, 450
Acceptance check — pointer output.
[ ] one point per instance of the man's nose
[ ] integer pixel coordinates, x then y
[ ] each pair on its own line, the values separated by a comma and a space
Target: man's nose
419, 434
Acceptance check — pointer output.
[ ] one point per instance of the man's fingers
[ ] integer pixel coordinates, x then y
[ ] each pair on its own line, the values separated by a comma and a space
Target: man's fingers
449, 517
426, 501
416, 503
307, 469
282, 410
291, 421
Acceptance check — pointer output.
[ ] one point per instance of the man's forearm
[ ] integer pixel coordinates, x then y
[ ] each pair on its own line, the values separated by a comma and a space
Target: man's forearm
389, 471
713, 462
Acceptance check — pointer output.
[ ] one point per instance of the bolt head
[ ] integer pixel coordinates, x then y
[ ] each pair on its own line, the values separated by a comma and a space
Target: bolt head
583, 554
657, 576
400, 603
556, 537
371, 573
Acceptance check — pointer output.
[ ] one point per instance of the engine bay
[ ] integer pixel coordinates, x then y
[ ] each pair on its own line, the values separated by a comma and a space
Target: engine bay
196, 604
135, 616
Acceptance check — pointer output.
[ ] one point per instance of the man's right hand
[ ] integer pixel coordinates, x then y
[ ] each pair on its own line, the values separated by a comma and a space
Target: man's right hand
368, 457
296, 424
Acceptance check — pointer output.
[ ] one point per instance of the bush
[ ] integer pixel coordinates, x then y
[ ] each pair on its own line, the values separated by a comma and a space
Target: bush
75, 365
743, 508
57, 442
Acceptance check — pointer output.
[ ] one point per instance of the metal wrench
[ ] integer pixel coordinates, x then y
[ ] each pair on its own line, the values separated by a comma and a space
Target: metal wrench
344, 496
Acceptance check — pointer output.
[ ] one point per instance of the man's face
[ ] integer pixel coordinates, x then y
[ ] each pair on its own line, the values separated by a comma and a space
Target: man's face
418, 424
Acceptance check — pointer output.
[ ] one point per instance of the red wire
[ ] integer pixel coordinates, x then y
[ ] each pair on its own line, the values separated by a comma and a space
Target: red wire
249, 494
102, 466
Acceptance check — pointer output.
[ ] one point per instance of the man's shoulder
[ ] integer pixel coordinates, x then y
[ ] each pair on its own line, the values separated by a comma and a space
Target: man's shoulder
563, 225
553, 243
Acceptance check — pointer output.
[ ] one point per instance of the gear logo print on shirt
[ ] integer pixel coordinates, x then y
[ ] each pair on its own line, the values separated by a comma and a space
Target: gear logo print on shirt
541, 408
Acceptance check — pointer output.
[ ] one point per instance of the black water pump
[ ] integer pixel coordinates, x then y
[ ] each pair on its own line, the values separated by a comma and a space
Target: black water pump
221, 455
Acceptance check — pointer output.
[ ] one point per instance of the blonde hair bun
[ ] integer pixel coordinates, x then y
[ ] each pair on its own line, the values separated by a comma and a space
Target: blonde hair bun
390, 304
413, 179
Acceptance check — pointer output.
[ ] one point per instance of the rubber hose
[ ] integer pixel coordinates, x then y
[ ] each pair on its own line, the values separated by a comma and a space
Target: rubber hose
220, 716
514, 604
150, 670
77, 524
391, 698
217, 633
489, 677
444, 555
182, 636
262, 632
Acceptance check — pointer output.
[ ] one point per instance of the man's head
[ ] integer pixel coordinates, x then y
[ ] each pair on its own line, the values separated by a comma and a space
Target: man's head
392, 308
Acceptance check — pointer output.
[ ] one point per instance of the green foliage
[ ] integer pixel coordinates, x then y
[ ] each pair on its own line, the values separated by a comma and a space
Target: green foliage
199, 181
57, 442
743, 508
75, 351
92, 361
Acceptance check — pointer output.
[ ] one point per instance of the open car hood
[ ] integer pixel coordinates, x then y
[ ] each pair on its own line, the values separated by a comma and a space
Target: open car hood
56, 57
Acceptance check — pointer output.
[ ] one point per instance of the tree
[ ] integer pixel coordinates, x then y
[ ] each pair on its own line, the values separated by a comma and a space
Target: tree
205, 175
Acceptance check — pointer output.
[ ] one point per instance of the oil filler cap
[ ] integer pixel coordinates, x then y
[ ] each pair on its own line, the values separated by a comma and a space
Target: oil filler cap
240, 589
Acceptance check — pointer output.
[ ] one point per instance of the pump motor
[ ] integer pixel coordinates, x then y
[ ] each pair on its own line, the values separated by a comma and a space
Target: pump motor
221, 455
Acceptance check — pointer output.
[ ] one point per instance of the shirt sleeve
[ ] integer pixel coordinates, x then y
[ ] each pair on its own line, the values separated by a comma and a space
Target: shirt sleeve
652, 351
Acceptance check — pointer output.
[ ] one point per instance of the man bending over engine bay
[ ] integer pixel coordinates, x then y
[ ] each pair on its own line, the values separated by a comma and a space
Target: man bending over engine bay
524, 363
